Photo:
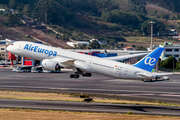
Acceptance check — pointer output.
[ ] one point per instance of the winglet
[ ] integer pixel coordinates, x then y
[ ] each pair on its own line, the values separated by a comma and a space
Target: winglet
149, 61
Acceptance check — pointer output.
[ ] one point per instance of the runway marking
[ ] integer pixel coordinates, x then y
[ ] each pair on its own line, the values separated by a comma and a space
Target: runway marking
169, 95
135, 94
84, 89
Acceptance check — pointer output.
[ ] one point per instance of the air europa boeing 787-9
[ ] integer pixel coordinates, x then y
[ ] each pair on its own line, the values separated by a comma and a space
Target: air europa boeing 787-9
53, 58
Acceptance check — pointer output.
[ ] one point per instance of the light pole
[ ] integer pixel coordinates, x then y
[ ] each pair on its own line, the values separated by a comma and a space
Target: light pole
151, 34
152, 40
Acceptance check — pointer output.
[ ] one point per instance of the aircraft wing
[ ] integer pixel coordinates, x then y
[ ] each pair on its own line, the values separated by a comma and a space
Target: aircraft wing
117, 58
64, 62
72, 64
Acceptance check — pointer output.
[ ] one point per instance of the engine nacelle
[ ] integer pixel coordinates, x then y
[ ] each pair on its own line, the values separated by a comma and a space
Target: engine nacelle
50, 65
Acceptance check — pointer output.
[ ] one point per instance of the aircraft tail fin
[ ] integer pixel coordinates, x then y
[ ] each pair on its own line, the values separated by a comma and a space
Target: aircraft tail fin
148, 62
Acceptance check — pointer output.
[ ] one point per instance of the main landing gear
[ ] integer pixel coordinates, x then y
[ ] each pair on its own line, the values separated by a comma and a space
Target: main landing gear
76, 75
80, 72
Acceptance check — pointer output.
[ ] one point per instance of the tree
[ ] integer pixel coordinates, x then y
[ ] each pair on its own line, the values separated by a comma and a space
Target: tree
122, 45
12, 3
133, 46
157, 27
178, 65
27, 10
56, 13
13, 19
123, 18
155, 11
178, 16
4, 2
95, 45
168, 63
164, 16
83, 46
172, 17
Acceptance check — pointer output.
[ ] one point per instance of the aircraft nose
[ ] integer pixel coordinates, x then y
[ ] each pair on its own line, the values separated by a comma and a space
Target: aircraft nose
9, 48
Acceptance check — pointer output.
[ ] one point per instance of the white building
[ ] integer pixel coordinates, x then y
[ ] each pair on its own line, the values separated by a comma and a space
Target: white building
77, 43
94, 40
2, 10
3, 46
6, 41
170, 50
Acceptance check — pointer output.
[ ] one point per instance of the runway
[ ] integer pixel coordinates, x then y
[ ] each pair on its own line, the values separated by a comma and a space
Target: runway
89, 107
97, 85
161, 90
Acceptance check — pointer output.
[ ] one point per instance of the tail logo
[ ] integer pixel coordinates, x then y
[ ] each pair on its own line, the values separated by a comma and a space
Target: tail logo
150, 61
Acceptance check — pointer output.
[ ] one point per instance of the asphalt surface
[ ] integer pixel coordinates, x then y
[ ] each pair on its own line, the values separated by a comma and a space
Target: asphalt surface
89, 107
161, 90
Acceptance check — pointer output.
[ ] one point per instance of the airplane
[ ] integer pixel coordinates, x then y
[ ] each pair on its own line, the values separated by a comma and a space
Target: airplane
54, 58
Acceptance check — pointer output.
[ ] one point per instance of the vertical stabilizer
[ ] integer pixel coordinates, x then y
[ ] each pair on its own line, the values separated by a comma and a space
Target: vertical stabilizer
149, 61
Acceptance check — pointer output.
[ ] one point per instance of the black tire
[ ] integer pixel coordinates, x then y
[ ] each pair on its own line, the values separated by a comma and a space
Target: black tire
88, 74
84, 75
72, 76
76, 76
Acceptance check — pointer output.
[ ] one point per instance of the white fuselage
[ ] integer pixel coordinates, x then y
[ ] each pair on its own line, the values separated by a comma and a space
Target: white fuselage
90, 64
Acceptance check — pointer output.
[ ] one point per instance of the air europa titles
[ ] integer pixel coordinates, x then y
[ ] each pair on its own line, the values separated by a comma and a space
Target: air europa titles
40, 50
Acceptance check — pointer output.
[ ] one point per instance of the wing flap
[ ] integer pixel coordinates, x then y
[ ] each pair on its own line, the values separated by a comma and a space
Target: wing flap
145, 75
64, 62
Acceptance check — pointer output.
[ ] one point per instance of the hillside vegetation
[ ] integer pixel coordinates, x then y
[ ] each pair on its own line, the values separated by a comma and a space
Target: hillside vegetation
110, 20
172, 5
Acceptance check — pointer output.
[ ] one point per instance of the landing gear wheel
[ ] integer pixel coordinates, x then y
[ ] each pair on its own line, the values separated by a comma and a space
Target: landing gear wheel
84, 75
72, 76
76, 76
88, 74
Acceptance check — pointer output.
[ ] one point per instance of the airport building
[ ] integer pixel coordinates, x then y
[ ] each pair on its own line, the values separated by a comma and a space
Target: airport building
170, 50
3, 45
77, 43
3, 53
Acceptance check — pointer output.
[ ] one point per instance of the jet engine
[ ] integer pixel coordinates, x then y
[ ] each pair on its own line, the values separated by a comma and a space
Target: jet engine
50, 65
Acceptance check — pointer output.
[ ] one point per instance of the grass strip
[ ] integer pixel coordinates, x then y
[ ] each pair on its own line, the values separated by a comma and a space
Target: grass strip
28, 114
72, 97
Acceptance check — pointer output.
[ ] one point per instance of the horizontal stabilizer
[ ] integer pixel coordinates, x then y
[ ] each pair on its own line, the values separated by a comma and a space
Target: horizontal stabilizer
145, 75
161, 74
